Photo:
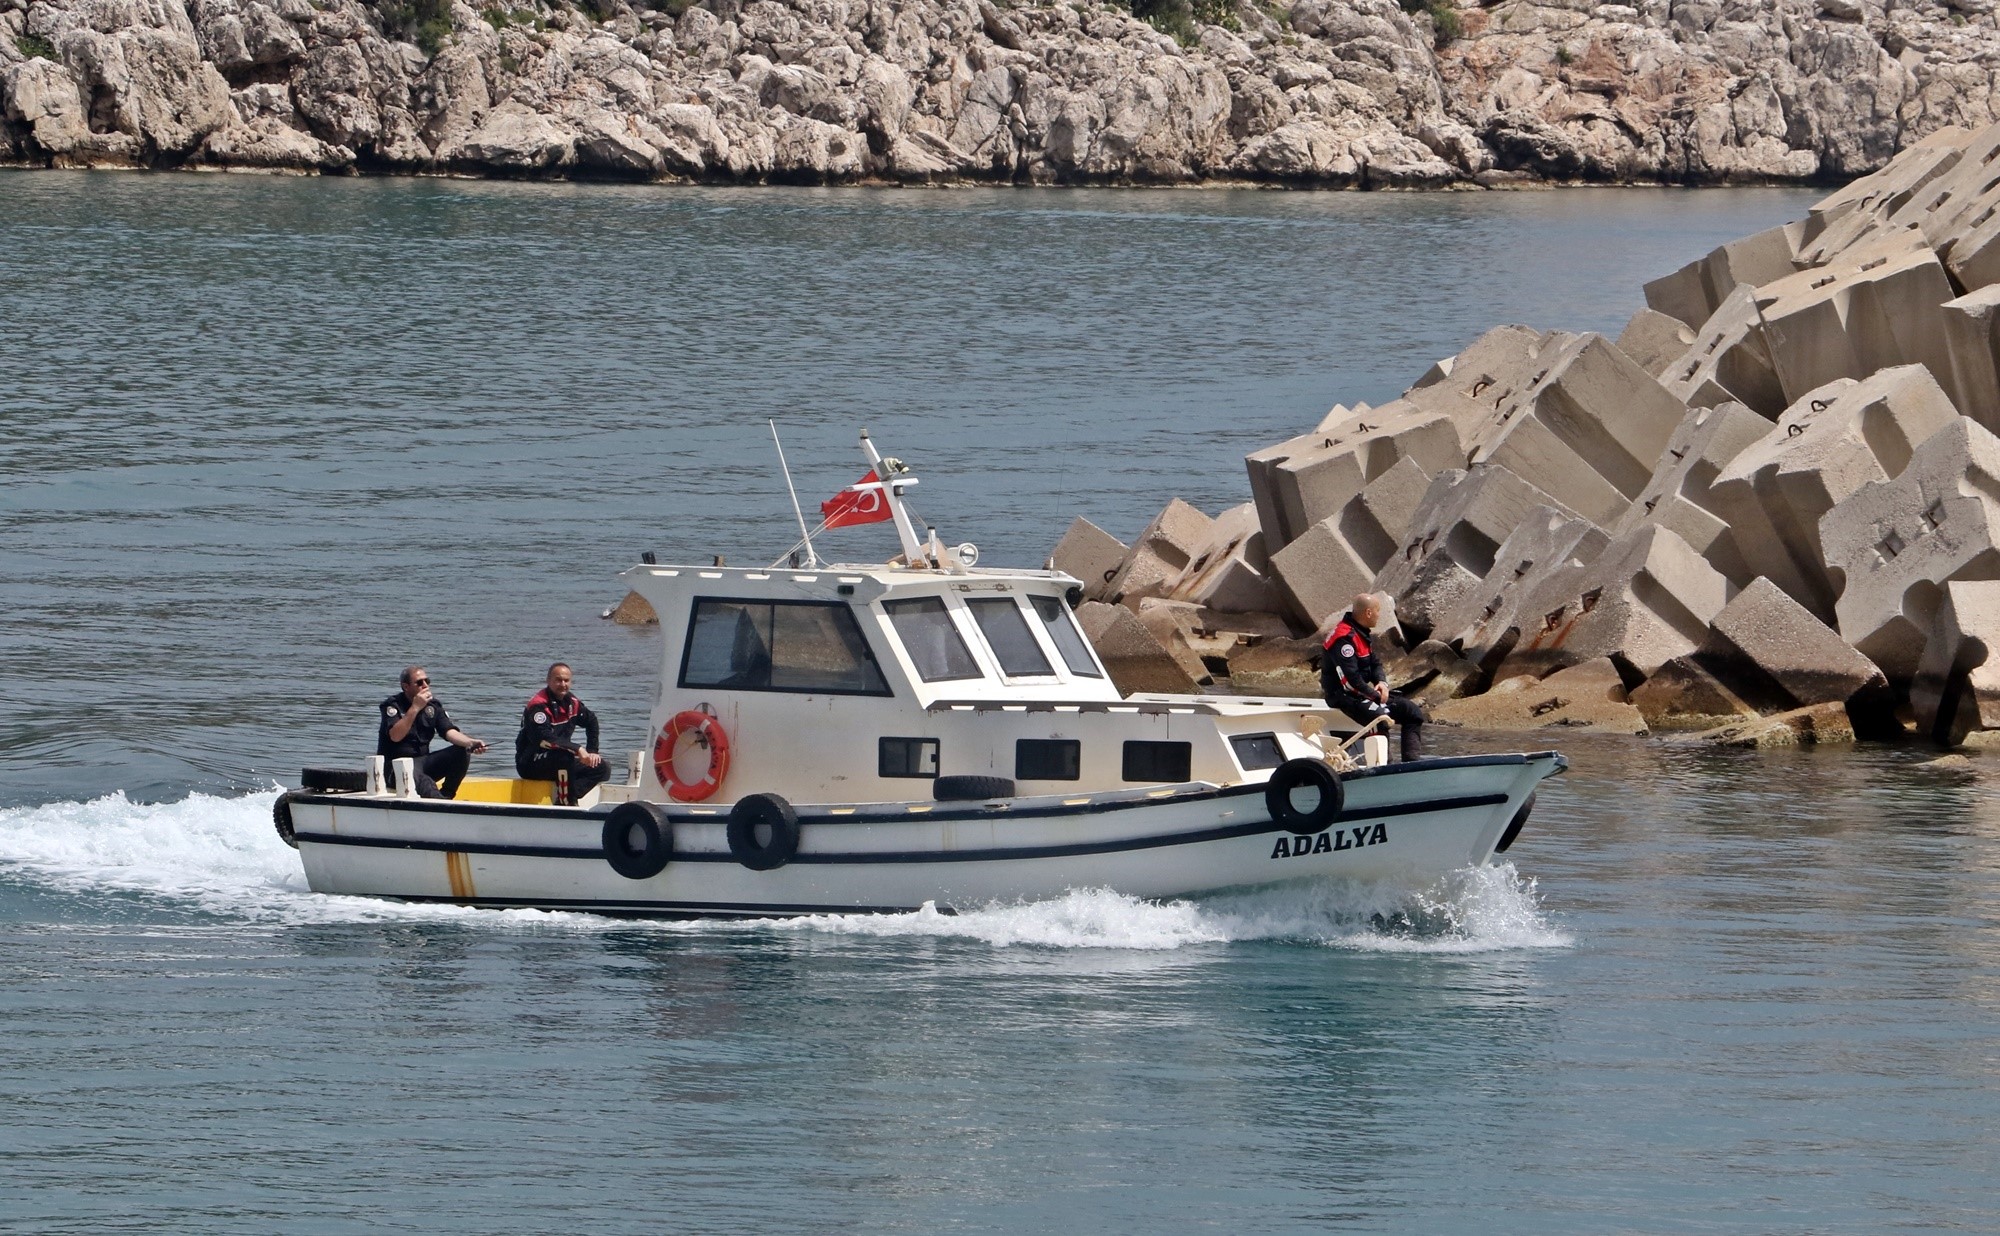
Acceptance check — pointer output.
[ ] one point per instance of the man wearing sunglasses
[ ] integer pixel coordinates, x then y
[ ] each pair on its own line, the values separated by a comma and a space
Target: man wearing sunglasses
410, 719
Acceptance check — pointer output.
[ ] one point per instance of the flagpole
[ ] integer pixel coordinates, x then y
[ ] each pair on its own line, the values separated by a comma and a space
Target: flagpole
812, 559
913, 552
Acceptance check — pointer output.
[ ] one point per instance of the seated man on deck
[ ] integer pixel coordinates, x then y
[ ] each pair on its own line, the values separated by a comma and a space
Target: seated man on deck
410, 719
544, 747
1350, 676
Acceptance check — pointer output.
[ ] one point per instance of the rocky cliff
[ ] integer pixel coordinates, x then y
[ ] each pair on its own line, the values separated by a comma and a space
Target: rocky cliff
1312, 92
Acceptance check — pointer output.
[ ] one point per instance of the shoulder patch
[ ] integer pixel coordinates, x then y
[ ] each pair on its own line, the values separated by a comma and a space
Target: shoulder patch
1347, 650
541, 718
389, 711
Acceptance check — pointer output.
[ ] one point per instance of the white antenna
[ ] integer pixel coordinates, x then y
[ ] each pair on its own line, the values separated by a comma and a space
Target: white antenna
812, 559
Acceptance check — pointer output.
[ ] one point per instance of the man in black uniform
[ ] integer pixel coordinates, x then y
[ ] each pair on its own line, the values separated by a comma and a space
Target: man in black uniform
1350, 675
545, 746
410, 719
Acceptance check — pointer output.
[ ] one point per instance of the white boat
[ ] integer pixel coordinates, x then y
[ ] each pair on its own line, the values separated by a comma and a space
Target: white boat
837, 738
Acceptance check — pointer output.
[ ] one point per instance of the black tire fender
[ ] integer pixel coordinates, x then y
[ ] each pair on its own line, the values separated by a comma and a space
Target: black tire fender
1515, 825
281, 818
1299, 774
638, 841
971, 789
769, 811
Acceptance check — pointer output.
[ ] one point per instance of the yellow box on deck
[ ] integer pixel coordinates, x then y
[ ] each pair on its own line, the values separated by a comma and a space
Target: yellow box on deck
505, 790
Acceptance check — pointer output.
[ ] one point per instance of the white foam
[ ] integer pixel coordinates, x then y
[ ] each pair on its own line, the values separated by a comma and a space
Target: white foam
1477, 910
221, 855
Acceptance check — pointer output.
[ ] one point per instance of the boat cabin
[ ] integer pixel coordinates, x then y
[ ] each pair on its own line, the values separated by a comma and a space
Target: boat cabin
861, 683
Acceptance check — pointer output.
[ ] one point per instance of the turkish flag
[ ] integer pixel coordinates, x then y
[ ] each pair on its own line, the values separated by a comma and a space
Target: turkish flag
855, 505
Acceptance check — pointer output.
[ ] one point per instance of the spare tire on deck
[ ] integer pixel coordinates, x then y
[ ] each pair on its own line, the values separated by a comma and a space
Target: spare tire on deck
971, 789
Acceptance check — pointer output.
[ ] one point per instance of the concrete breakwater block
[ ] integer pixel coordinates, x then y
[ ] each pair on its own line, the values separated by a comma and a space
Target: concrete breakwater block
1728, 361
1313, 477
1489, 375
1957, 686
1092, 555
1830, 443
1696, 290
1484, 620
1159, 555
1589, 695
1780, 655
1588, 431
1454, 539
1849, 320
1647, 599
1858, 210
1655, 341
1136, 659
1337, 558
1232, 571
1972, 337
633, 611
1681, 496
1893, 544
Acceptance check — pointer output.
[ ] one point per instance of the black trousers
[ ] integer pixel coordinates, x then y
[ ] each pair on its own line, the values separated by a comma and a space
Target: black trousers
1406, 713
544, 765
439, 773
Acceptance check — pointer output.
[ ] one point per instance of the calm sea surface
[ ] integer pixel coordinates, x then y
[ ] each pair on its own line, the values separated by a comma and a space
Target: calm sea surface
262, 441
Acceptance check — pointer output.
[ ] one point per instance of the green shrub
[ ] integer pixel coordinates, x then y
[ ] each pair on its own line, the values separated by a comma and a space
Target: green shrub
427, 23
1446, 24
35, 47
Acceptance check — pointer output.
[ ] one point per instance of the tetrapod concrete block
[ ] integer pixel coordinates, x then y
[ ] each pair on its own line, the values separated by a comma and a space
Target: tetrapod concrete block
1587, 432
1648, 599
1825, 447
1892, 545
1957, 684
1090, 554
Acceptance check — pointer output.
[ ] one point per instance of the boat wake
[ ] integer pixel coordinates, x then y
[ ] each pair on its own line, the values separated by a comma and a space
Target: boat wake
220, 856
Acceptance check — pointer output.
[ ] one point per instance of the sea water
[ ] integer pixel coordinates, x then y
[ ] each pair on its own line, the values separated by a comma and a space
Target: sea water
266, 440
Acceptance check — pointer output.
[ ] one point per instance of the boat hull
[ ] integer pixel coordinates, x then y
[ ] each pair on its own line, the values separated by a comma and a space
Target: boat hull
1404, 823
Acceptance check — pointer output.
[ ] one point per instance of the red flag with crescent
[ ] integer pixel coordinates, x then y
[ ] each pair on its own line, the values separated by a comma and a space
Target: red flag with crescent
860, 503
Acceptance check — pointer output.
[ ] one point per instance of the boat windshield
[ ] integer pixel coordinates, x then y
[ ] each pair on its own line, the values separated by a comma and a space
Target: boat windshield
1008, 635
931, 639
803, 646
1067, 639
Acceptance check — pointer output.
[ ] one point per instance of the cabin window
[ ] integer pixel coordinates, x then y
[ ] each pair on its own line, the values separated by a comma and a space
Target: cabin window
1254, 751
811, 647
1158, 761
1067, 639
931, 639
1008, 635
907, 757
1048, 759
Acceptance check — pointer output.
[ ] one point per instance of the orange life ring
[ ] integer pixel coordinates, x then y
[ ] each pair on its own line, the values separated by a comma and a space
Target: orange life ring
707, 731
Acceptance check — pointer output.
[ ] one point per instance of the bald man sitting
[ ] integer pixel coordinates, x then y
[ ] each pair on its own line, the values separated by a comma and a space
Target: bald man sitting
1350, 676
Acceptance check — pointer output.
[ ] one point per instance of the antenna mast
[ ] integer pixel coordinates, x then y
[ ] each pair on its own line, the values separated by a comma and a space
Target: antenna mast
812, 559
